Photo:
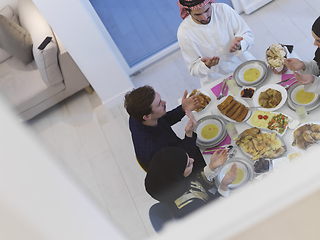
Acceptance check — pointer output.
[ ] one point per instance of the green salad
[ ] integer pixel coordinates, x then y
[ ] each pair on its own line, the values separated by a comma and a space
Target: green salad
278, 123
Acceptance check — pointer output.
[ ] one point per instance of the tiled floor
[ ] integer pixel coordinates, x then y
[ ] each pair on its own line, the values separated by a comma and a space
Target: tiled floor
94, 143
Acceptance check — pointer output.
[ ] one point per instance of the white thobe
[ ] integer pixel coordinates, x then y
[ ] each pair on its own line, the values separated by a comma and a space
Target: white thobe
214, 39
312, 68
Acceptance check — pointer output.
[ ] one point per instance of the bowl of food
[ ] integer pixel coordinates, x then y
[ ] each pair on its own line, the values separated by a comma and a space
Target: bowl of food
270, 97
301, 97
242, 173
209, 130
247, 92
203, 100
275, 55
261, 165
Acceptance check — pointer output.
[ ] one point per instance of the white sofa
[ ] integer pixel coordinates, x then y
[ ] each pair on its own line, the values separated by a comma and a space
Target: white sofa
33, 80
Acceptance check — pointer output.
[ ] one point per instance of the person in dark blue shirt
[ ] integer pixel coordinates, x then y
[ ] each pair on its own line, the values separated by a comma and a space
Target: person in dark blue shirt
150, 125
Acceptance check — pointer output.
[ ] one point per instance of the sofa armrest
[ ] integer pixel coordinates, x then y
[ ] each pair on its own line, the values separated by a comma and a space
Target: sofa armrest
47, 59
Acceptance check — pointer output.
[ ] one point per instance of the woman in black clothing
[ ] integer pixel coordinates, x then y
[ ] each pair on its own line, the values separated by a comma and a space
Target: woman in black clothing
169, 180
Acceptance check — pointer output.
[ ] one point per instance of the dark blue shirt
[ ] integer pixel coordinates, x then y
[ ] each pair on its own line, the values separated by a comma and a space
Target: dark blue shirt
147, 140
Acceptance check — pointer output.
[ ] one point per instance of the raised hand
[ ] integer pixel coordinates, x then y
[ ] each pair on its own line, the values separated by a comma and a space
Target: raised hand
294, 64
218, 158
210, 62
189, 103
304, 79
191, 124
235, 45
229, 177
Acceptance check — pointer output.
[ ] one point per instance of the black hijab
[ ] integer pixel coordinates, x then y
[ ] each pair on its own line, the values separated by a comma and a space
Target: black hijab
316, 30
165, 181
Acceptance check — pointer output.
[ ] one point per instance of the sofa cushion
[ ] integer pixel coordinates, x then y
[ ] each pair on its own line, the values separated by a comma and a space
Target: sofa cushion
15, 40
4, 55
23, 86
8, 12
46, 59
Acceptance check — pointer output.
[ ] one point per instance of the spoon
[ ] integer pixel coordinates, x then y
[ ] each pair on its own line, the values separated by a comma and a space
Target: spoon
289, 85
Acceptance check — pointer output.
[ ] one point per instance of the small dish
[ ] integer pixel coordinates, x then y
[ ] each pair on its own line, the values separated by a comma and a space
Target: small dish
247, 92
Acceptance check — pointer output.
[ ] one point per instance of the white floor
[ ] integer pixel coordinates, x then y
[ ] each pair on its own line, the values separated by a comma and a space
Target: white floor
94, 144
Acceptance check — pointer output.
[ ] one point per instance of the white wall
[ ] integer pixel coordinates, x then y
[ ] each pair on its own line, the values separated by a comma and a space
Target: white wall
38, 199
87, 44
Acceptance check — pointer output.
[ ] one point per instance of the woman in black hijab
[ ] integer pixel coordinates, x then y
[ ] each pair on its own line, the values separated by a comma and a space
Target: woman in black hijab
308, 71
169, 180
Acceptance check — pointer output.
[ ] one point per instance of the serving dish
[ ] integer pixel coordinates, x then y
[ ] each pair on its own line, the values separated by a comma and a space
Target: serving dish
303, 141
280, 153
249, 121
245, 166
214, 141
241, 100
242, 68
278, 87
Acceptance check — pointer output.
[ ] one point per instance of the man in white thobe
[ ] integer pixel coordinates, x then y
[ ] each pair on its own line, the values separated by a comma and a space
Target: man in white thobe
213, 38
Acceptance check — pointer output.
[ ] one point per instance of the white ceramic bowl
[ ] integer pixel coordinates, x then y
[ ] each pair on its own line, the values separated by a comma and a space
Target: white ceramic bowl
205, 123
240, 179
293, 96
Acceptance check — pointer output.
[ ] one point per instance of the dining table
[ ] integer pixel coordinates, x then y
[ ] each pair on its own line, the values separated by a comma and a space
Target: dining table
272, 78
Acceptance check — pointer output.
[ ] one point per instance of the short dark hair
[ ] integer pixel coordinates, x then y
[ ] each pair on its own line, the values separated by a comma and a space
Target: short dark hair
138, 102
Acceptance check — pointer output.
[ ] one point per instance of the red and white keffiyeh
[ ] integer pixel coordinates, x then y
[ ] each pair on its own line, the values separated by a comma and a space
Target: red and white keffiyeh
191, 4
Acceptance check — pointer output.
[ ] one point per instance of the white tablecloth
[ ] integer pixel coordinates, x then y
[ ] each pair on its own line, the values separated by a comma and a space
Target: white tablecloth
313, 116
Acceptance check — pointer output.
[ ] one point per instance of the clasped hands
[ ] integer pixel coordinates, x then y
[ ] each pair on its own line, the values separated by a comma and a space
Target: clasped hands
235, 46
294, 65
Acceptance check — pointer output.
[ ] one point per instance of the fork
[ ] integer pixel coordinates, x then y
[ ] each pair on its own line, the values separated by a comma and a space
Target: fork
289, 85
222, 92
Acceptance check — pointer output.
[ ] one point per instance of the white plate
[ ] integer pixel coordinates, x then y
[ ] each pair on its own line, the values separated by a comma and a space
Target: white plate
296, 148
241, 162
252, 63
225, 168
239, 99
207, 94
216, 140
278, 87
293, 96
205, 123
294, 106
247, 67
281, 134
265, 131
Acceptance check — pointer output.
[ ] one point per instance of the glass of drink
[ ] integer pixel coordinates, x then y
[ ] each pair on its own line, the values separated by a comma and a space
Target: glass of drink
302, 114
233, 87
232, 131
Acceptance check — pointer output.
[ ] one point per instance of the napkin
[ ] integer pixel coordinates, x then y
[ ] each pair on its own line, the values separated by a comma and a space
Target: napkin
217, 89
226, 141
287, 76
